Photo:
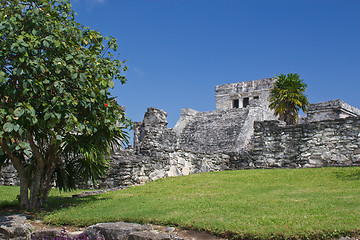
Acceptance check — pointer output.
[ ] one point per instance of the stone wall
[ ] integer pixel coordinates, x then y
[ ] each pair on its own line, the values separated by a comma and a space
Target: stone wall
210, 132
8, 176
215, 131
152, 133
160, 152
130, 168
274, 145
315, 144
333, 109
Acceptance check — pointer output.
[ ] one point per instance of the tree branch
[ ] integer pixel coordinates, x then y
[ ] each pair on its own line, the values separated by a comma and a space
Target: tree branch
38, 156
14, 159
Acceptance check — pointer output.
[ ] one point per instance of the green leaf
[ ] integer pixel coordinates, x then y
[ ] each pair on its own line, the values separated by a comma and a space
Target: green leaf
8, 127
81, 126
19, 112
47, 116
17, 71
46, 43
14, 46
57, 43
23, 145
16, 127
74, 76
21, 131
24, 44
42, 68
21, 49
53, 101
111, 84
83, 76
68, 57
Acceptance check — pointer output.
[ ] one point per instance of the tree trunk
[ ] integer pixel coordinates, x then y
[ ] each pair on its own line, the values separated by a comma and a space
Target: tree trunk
24, 195
35, 192
24, 186
24, 181
40, 186
39, 182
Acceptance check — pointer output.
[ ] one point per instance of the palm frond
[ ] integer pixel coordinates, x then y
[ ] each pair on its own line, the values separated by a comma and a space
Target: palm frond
287, 97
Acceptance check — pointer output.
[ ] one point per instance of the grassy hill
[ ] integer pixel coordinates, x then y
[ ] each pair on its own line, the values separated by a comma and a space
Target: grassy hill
256, 204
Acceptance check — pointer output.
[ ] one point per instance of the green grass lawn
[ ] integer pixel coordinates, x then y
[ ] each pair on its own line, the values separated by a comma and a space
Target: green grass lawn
282, 203
8, 196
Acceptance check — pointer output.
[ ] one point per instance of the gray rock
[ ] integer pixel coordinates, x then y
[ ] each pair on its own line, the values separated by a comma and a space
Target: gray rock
48, 233
173, 172
169, 229
15, 226
130, 231
204, 167
157, 174
143, 236
115, 231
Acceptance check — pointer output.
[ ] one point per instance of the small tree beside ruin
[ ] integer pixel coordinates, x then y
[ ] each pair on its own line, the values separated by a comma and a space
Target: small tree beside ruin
58, 121
287, 97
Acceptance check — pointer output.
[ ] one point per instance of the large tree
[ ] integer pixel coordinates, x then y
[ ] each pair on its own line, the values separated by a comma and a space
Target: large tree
287, 97
58, 121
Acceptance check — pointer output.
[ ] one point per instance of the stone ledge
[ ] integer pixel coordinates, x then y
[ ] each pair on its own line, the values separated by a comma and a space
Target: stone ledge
17, 227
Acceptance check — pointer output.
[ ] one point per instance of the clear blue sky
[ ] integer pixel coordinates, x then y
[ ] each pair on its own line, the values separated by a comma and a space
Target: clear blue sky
179, 50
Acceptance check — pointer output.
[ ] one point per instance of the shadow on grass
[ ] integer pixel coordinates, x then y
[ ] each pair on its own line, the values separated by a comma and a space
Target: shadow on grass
352, 175
53, 203
56, 202
9, 207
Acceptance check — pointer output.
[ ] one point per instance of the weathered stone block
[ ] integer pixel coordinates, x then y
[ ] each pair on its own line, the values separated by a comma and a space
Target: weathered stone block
157, 174
356, 158
173, 172
115, 231
316, 162
15, 226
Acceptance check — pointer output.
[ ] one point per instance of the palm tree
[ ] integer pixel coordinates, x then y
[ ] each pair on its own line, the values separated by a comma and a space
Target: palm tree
287, 97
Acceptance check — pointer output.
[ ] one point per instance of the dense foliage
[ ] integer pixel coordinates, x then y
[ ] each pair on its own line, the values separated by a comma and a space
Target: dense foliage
58, 119
287, 97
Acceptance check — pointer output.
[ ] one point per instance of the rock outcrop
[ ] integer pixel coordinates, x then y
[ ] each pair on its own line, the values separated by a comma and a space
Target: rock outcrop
16, 227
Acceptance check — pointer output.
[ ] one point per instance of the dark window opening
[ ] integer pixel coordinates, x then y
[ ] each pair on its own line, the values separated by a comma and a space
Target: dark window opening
236, 103
256, 97
245, 102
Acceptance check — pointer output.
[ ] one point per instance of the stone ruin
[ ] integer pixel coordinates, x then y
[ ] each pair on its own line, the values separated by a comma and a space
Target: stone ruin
242, 133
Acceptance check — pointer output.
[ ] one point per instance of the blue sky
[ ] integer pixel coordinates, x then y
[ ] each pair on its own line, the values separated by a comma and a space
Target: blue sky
179, 50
